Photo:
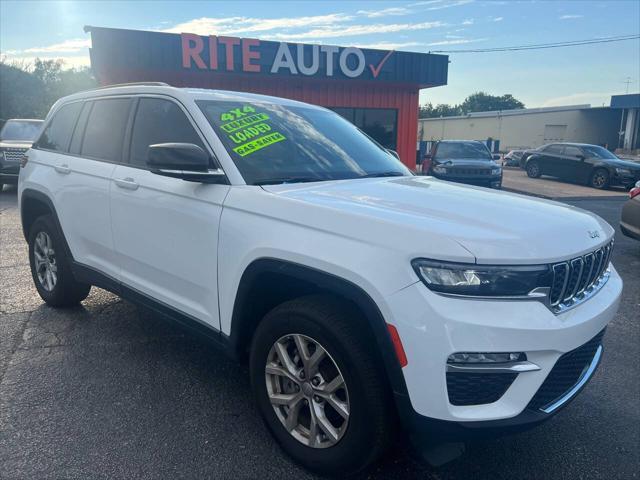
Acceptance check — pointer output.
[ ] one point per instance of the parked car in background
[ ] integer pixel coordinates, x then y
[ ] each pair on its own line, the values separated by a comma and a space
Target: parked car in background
464, 161
16, 138
630, 219
512, 159
583, 163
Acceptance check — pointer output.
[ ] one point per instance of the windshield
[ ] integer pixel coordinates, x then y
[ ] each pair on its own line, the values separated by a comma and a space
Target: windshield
594, 151
21, 130
284, 144
463, 150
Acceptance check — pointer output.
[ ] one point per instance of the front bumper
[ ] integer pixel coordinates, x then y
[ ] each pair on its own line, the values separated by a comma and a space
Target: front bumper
432, 327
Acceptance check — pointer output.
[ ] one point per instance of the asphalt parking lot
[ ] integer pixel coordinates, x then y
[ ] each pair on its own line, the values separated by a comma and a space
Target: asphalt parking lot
108, 390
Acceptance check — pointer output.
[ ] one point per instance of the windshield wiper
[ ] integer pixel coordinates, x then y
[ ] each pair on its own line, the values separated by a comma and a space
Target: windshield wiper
277, 181
383, 174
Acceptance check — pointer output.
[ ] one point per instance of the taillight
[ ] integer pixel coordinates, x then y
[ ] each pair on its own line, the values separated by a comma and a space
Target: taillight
634, 192
24, 160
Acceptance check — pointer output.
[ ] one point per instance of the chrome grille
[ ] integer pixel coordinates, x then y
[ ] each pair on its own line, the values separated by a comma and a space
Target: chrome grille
14, 154
578, 278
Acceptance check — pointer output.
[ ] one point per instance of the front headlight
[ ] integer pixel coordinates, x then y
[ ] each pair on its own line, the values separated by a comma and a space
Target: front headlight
439, 169
482, 280
623, 171
496, 170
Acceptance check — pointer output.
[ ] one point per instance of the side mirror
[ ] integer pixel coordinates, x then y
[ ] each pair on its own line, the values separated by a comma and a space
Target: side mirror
495, 156
393, 153
182, 160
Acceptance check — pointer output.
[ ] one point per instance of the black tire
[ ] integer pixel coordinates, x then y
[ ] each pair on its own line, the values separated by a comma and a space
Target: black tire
66, 291
600, 179
334, 325
533, 169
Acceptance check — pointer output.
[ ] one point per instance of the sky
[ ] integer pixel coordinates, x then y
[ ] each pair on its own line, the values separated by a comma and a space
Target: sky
587, 74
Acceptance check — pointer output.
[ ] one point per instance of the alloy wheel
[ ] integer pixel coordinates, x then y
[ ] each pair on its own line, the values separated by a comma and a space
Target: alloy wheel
307, 391
599, 180
45, 261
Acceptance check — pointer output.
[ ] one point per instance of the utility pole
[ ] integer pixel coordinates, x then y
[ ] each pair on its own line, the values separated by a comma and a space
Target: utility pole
627, 81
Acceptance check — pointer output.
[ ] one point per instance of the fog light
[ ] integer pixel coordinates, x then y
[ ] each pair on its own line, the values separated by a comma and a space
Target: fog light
478, 357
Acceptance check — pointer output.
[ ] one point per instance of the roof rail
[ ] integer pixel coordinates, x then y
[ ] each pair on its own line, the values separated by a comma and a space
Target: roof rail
150, 84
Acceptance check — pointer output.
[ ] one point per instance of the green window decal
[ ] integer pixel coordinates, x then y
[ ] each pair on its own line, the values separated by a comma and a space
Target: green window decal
259, 143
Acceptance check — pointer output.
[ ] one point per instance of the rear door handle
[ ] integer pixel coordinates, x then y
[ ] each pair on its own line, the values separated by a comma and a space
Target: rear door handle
126, 183
64, 169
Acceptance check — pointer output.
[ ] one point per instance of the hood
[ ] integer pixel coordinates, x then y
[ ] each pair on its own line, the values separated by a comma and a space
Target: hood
466, 162
494, 226
15, 144
624, 164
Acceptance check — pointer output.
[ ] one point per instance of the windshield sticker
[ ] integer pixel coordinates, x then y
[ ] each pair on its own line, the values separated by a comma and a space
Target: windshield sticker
247, 129
259, 143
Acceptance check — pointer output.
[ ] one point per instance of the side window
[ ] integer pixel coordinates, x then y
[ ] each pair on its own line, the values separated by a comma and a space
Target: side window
159, 121
76, 139
554, 149
57, 135
570, 151
104, 133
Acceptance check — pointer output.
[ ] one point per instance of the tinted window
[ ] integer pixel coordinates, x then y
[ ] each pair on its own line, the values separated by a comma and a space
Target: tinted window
105, 129
159, 121
594, 151
379, 123
76, 139
572, 151
463, 150
278, 143
58, 133
21, 130
553, 149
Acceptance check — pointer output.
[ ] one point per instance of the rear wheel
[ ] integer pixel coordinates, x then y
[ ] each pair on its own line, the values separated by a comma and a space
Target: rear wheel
318, 388
50, 266
533, 169
599, 179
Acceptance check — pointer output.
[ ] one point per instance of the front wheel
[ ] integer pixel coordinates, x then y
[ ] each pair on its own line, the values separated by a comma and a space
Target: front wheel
50, 266
318, 386
599, 179
533, 169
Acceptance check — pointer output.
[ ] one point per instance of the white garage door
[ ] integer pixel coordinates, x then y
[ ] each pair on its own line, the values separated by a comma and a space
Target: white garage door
554, 133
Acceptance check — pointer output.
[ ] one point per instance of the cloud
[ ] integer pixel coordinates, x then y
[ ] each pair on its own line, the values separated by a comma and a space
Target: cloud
497, 19
468, 21
353, 30
426, 2
456, 42
456, 3
593, 98
237, 25
569, 17
390, 45
392, 11
68, 46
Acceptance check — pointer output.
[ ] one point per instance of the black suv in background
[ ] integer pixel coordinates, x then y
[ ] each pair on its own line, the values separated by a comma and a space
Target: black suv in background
16, 138
464, 161
583, 163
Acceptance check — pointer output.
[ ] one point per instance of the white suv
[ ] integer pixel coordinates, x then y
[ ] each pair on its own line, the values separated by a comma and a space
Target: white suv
363, 297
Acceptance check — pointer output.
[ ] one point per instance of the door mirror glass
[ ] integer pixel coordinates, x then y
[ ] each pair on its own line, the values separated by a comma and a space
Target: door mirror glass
182, 160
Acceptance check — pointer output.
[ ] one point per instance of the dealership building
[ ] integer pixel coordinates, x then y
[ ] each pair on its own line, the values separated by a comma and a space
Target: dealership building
377, 90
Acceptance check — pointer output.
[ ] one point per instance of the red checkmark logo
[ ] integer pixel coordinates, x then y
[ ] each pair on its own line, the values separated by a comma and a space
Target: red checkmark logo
376, 70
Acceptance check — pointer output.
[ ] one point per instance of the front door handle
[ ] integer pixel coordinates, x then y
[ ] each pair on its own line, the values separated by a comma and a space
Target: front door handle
64, 169
126, 183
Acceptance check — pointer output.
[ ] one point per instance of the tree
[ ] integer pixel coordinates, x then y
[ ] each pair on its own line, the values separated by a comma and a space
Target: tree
440, 110
29, 91
483, 102
477, 102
